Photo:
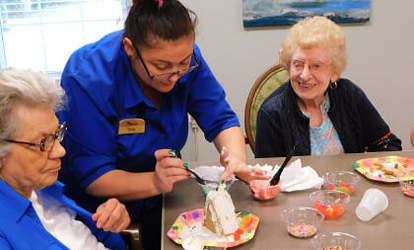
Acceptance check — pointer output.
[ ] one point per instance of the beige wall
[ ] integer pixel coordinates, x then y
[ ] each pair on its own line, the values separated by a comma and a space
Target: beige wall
380, 60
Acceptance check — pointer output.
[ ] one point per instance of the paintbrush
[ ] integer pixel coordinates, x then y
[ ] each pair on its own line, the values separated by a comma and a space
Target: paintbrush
276, 178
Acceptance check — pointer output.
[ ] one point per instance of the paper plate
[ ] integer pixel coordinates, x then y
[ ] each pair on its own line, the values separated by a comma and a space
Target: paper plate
384, 168
190, 224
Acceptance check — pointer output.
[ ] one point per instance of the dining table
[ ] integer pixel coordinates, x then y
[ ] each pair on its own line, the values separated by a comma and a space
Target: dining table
391, 229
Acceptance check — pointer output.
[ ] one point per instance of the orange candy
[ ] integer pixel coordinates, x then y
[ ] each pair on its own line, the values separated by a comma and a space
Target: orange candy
343, 187
237, 234
331, 210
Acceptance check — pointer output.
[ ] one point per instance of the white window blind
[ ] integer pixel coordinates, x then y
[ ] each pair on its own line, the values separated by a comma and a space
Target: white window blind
41, 34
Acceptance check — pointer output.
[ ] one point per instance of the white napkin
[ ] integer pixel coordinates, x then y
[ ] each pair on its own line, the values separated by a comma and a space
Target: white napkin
295, 177
191, 243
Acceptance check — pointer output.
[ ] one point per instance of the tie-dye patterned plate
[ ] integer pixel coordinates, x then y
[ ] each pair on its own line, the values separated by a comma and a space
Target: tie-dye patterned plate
190, 224
385, 169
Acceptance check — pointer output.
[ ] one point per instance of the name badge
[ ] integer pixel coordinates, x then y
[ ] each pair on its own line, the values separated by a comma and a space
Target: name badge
131, 126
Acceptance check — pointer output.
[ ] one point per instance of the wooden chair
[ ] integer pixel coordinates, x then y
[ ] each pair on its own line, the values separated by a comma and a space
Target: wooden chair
268, 82
133, 236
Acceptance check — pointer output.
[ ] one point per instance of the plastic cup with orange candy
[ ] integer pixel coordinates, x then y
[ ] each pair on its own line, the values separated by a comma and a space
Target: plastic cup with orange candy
344, 181
330, 203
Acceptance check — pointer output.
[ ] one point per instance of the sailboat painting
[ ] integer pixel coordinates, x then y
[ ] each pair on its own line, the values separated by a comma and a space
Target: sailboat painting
288, 12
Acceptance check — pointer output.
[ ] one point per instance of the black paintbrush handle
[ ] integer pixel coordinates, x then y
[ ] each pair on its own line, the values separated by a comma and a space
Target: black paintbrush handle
276, 178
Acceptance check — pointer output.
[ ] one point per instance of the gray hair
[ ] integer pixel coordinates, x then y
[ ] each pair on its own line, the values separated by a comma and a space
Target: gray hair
24, 87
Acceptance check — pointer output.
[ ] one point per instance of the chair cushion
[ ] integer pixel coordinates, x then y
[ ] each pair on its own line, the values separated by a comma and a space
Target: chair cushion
269, 84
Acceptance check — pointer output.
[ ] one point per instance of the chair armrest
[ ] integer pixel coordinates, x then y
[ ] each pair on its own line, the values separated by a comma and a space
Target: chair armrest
133, 236
246, 140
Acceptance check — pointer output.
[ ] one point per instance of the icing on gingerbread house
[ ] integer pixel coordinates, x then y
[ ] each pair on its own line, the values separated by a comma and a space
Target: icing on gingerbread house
219, 213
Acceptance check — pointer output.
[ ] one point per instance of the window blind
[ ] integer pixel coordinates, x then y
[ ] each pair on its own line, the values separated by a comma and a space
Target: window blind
41, 34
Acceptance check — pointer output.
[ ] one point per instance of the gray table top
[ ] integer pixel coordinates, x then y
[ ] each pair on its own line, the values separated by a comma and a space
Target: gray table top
389, 230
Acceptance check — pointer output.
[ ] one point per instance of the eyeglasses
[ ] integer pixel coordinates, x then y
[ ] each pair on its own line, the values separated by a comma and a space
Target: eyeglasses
167, 76
314, 68
46, 144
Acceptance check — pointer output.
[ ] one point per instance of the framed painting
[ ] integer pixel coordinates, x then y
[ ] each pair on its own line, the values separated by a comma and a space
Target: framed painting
288, 12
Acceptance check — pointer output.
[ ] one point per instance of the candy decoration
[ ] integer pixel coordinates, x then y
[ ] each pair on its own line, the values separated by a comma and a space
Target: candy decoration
342, 187
329, 210
237, 235
408, 189
301, 230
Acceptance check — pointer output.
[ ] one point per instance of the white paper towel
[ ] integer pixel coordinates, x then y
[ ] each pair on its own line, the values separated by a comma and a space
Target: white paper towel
295, 177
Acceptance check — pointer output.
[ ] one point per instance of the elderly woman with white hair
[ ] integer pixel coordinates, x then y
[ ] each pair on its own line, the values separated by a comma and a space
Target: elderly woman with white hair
35, 213
316, 111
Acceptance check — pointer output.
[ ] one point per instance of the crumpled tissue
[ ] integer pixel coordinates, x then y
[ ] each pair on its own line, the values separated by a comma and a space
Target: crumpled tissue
294, 177
193, 243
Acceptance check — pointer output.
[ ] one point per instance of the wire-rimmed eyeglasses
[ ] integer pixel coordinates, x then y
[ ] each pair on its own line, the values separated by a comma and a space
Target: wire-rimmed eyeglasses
46, 144
314, 68
166, 76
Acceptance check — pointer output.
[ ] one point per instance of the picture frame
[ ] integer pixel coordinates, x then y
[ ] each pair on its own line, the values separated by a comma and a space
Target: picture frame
288, 12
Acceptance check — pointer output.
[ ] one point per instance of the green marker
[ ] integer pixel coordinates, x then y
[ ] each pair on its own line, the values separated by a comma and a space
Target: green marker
185, 164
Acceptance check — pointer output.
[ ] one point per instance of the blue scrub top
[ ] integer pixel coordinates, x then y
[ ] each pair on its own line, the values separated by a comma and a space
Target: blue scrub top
103, 93
21, 228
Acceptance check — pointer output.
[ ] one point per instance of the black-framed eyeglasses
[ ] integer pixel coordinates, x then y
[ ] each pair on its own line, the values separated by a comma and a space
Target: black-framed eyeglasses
167, 76
46, 144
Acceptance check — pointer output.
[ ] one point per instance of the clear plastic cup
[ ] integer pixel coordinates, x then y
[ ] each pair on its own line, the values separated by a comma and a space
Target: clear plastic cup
211, 176
302, 222
372, 203
406, 179
344, 181
336, 240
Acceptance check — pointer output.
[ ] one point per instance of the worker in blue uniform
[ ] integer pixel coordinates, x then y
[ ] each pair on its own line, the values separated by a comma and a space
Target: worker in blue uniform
129, 95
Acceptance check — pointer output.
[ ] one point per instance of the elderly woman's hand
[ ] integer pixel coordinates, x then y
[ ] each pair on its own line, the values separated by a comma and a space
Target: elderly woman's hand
235, 166
112, 216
